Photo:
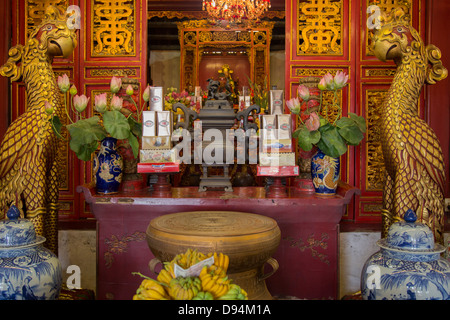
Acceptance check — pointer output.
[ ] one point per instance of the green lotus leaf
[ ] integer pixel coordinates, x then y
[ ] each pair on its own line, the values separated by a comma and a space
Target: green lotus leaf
116, 124
331, 142
86, 131
359, 120
134, 143
307, 139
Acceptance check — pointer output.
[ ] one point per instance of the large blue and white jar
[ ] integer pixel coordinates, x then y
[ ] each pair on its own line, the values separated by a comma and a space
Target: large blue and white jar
408, 266
28, 270
108, 167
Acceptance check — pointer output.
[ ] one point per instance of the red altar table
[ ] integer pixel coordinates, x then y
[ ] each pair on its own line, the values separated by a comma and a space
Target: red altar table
308, 254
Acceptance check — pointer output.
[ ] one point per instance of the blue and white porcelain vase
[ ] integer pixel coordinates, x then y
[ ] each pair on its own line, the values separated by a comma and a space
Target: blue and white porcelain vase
325, 172
408, 266
108, 167
28, 270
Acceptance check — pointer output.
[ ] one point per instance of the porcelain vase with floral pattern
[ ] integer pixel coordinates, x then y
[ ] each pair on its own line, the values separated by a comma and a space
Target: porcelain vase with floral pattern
108, 167
325, 171
28, 270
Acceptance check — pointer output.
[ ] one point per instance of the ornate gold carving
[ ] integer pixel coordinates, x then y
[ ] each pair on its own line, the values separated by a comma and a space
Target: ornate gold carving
320, 27
205, 36
199, 15
190, 37
103, 72
372, 207
260, 37
374, 159
113, 28
377, 72
309, 72
254, 41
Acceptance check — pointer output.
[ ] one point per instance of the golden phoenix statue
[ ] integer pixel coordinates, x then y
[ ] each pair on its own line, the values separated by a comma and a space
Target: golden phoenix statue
30, 156
415, 170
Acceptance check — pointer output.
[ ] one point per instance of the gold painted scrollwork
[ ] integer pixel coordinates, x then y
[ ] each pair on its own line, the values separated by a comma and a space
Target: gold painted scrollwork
205, 36
260, 37
320, 26
374, 160
113, 32
190, 37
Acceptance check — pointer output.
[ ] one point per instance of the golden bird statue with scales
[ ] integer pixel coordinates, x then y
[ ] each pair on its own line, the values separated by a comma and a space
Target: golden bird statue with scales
414, 164
30, 153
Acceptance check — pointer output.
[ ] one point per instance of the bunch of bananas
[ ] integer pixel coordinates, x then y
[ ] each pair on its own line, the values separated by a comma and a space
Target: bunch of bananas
184, 288
189, 258
216, 284
212, 282
150, 290
235, 293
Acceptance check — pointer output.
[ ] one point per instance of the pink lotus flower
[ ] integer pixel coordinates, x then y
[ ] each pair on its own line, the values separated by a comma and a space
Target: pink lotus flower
313, 122
116, 103
63, 83
146, 94
116, 84
340, 80
80, 102
101, 102
326, 83
48, 107
303, 92
293, 105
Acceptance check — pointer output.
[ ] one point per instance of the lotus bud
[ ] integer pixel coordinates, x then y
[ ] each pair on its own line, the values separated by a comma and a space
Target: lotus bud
48, 108
293, 105
101, 103
80, 102
328, 81
63, 83
73, 90
340, 80
116, 103
303, 92
146, 94
322, 84
130, 90
116, 84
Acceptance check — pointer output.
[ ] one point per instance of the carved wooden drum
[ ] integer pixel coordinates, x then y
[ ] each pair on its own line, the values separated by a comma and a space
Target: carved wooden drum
248, 239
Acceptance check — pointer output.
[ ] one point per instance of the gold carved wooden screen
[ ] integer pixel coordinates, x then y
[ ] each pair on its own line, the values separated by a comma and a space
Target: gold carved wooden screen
198, 38
112, 41
330, 36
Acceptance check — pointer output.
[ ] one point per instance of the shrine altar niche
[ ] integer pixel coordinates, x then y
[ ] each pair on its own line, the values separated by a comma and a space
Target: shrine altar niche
308, 254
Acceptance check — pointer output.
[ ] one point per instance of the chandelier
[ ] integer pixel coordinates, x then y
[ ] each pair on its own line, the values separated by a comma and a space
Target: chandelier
236, 11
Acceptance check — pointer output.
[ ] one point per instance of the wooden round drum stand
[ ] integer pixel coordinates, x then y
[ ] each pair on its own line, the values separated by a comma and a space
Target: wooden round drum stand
248, 239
